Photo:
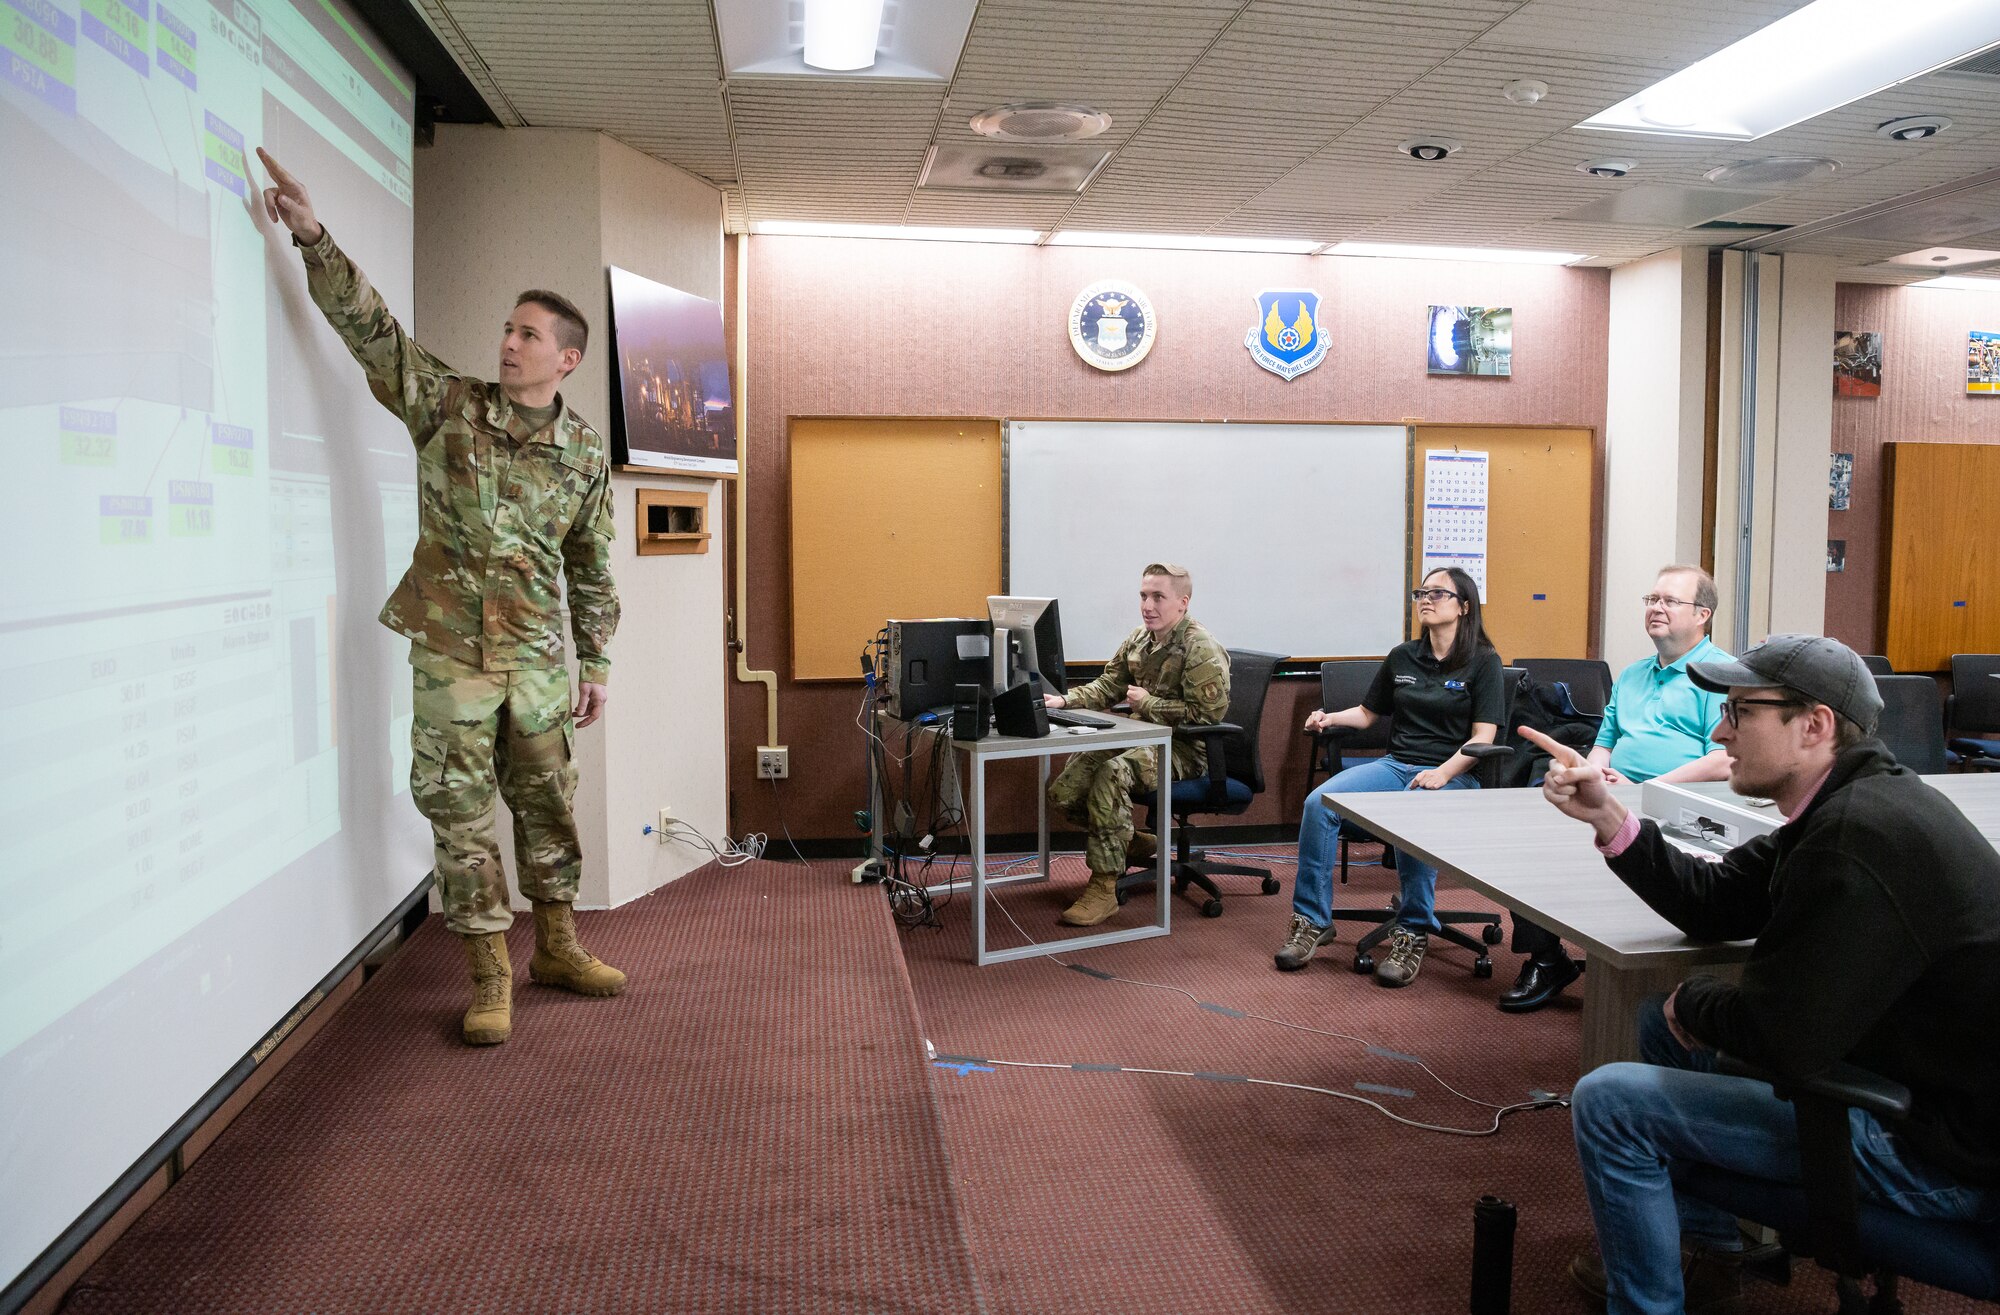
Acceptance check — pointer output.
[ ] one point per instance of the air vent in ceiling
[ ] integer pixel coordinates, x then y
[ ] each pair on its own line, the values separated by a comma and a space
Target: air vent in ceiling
995, 168
1040, 121
1773, 171
1986, 62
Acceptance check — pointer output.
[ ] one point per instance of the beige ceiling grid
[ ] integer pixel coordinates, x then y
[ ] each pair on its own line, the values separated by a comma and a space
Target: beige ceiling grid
1261, 118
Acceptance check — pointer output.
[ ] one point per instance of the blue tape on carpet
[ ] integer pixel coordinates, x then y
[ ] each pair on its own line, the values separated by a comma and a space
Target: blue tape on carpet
1380, 1090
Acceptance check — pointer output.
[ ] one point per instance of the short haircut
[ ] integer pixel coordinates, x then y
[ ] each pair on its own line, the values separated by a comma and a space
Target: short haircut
1846, 731
1704, 585
572, 330
1183, 582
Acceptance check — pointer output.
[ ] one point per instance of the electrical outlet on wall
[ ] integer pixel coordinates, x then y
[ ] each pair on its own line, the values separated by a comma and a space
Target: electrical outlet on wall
774, 762
666, 821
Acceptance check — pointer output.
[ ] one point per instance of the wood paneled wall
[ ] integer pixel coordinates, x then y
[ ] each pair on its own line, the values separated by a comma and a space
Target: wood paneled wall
1923, 400
862, 327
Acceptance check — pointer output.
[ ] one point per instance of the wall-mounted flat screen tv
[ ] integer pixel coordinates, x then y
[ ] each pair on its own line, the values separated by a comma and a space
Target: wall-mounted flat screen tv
671, 372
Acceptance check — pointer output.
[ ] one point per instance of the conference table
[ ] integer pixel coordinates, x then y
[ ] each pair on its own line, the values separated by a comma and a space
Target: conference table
1514, 847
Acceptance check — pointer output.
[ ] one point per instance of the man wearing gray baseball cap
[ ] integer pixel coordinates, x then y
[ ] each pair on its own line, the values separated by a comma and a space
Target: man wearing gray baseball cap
1875, 911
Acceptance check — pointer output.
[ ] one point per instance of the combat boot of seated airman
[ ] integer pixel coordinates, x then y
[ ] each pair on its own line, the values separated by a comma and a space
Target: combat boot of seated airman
1100, 901
1141, 849
491, 1018
560, 961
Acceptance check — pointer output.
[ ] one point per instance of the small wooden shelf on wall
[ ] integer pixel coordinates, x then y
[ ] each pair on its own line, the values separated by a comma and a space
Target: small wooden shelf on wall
670, 521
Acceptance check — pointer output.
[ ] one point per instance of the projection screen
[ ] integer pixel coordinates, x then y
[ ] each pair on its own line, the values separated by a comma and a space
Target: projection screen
204, 741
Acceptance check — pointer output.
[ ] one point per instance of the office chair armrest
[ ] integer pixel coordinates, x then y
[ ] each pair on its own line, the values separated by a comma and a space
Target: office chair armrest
1843, 1084
1479, 751
1209, 736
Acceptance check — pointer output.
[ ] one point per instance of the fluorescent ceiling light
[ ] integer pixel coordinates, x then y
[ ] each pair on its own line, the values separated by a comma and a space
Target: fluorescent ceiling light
840, 34
1495, 255
803, 228
1960, 283
1828, 54
1184, 242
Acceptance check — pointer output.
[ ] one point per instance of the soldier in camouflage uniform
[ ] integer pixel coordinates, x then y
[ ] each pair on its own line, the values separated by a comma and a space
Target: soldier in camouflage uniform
1170, 670
513, 490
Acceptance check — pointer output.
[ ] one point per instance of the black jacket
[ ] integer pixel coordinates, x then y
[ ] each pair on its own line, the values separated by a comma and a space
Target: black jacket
1876, 913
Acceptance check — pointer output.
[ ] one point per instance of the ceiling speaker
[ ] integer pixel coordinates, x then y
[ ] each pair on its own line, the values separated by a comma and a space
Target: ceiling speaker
1040, 121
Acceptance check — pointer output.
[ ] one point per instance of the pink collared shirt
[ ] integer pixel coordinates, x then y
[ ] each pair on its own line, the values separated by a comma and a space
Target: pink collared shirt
1628, 831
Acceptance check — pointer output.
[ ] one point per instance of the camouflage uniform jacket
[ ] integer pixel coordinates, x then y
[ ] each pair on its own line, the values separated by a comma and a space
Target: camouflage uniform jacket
1187, 674
501, 509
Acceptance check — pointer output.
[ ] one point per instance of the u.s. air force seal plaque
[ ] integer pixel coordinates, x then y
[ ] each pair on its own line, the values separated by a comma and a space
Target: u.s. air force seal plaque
1111, 325
1287, 339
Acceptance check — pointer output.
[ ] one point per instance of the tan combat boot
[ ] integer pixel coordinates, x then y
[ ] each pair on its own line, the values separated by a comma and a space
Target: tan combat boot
1100, 901
560, 961
491, 1018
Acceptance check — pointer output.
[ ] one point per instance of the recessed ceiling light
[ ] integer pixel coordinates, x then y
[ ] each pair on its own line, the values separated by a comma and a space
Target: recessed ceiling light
1917, 128
908, 233
842, 38
1817, 58
840, 34
1772, 171
1495, 255
1960, 283
1606, 168
1185, 242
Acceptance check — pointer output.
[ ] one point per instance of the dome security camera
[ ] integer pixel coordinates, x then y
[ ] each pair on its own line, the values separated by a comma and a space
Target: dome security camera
1428, 149
1914, 129
1606, 168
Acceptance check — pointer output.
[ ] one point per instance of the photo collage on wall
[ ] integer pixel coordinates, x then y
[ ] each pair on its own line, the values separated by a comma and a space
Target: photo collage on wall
1982, 362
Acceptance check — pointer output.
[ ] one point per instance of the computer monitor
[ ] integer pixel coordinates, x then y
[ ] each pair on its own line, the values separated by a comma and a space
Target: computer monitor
1034, 630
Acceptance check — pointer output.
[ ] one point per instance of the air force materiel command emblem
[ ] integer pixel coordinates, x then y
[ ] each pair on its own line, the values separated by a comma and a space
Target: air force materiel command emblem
1111, 325
1287, 339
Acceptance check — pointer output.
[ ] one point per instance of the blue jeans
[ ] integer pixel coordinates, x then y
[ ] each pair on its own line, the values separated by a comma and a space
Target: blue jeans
1636, 1123
1319, 845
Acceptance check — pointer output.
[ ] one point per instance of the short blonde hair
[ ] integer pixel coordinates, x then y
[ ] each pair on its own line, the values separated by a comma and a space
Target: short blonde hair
1183, 582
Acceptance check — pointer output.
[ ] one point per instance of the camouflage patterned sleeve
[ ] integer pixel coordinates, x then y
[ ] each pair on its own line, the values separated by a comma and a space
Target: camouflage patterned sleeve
1108, 688
593, 596
401, 374
1204, 691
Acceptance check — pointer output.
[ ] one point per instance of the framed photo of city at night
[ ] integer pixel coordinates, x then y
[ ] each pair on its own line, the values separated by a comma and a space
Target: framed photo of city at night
674, 410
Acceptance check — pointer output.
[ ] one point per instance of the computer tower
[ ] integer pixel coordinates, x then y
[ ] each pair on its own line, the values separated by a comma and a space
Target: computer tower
925, 666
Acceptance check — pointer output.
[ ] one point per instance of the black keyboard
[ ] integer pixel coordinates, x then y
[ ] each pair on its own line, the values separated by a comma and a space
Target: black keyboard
1064, 717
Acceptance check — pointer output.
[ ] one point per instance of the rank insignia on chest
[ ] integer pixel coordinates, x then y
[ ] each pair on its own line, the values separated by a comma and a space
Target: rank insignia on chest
1286, 338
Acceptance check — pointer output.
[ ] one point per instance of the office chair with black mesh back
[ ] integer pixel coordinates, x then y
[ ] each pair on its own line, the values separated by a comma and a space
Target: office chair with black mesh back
1587, 679
1823, 1216
1235, 776
1343, 684
1912, 724
1449, 920
1877, 664
1972, 713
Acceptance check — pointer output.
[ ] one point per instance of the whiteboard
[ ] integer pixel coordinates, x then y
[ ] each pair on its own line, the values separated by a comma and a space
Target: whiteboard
1296, 535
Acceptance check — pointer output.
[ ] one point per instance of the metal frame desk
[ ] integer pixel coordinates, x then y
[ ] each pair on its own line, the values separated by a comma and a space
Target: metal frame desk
1125, 733
1514, 847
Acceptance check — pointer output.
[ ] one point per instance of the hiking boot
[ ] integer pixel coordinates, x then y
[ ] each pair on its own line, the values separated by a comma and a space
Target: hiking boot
1100, 901
1711, 1280
560, 961
1300, 942
1141, 849
491, 1018
1406, 957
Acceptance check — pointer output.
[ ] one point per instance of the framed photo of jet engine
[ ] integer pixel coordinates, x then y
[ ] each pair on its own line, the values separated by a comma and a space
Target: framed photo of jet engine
1470, 340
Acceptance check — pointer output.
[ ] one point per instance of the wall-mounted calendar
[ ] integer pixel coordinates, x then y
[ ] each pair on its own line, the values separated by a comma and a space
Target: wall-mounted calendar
1455, 513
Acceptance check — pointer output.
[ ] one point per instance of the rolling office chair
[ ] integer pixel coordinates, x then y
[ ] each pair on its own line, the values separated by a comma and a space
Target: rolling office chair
1974, 705
1449, 920
1877, 664
1822, 1216
1235, 776
1911, 725
1343, 684
1588, 680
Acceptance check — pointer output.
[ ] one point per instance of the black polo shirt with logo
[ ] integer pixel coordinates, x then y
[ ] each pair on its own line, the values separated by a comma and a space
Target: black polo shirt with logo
1431, 709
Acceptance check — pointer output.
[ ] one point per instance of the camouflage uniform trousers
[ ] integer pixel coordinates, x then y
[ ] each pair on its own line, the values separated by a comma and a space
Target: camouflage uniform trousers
474, 728
1094, 790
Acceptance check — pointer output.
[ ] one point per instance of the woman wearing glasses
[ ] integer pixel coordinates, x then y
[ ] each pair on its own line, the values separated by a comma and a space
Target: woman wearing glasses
1441, 690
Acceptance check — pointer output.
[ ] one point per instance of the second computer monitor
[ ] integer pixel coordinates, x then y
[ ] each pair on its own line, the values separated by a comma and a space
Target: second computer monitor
1035, 629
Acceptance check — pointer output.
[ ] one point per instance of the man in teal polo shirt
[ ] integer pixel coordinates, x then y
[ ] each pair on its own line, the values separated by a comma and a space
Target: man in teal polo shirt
1656, 726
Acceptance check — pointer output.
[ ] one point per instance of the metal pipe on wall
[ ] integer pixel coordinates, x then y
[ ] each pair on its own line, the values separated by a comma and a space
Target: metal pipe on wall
740, 620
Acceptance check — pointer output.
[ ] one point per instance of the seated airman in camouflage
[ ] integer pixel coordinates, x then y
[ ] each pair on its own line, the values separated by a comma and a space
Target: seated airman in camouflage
1170, 670
513, 490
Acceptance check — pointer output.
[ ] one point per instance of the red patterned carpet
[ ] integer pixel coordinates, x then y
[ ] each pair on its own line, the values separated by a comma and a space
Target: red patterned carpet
753, 1128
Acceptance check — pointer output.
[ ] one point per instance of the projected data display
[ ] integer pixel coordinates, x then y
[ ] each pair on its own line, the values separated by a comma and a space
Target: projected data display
167, 654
